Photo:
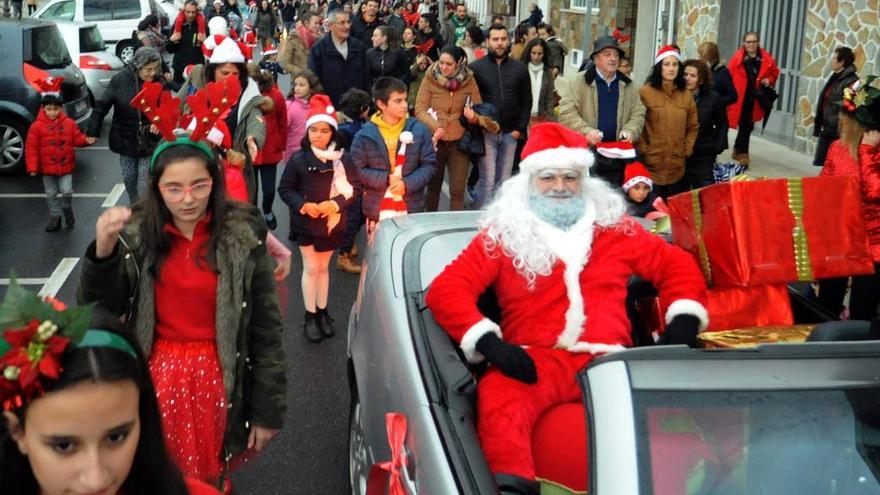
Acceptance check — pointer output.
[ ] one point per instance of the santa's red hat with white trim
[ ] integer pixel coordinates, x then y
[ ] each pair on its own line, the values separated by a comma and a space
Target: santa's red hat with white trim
271, 49
553, 145
636, 172
617, 150
667, 51
321, 110
220, 49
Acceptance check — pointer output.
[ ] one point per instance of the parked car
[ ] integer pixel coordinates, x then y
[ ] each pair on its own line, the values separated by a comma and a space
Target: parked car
33, 49
116, 19
659, 416
89, 52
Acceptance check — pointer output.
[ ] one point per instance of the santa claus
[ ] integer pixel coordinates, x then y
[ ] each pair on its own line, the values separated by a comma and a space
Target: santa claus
558, 250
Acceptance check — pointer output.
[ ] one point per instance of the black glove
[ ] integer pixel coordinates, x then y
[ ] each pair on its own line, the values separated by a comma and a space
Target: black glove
682, 329
511, 359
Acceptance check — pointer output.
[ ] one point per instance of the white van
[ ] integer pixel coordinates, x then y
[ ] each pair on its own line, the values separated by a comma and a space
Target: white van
116, 19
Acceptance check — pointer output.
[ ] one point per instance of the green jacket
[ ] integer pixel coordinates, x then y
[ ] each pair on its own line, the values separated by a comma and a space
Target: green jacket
579, 105
248, 320
250, 119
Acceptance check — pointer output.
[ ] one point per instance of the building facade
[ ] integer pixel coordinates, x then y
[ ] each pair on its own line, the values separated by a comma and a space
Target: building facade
800, 34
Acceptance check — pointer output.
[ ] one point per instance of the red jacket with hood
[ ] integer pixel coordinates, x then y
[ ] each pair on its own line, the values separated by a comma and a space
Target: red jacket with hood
49, 146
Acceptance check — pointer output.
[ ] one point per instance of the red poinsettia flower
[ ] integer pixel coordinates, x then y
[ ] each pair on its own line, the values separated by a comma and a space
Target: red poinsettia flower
29, 358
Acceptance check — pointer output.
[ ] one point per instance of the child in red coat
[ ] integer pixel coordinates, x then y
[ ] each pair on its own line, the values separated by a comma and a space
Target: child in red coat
49, 152
266, 163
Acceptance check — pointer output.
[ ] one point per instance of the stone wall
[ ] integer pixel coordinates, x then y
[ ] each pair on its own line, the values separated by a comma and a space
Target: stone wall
613, 14
698, 22
833, 23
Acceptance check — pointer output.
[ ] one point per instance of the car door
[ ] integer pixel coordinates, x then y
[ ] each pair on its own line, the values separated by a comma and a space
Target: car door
116, 19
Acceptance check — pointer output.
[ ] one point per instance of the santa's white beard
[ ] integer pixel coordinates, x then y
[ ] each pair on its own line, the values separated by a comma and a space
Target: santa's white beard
510, 222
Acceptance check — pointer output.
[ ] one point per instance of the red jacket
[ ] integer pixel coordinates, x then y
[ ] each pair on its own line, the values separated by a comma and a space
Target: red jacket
840, 162
276, 130
769, 70
577, 305
49, 145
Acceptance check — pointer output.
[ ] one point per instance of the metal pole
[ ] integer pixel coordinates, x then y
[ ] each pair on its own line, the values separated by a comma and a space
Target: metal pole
587, 45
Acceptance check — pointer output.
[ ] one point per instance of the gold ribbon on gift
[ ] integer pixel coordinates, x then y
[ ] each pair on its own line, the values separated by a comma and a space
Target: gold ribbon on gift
698, 230
799, 235
803, 267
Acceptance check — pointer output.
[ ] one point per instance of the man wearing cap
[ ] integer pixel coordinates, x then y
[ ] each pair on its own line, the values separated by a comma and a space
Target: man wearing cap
604, 105
558, 250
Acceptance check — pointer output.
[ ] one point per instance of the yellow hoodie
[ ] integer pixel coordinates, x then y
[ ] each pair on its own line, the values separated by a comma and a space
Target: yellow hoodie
391, 135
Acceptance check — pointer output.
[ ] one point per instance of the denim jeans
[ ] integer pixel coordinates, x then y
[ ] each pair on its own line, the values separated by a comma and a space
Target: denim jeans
496, 165
59, 192
134, 175
267, 174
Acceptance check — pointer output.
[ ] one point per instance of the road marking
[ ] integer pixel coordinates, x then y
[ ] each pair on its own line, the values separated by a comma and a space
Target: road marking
87, 148
114, 196
58, 277
24, 281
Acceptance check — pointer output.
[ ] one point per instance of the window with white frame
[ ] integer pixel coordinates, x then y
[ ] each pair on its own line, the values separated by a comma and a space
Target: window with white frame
582, 4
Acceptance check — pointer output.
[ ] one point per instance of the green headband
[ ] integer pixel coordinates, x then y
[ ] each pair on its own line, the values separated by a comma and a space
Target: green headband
102, 338
182, 141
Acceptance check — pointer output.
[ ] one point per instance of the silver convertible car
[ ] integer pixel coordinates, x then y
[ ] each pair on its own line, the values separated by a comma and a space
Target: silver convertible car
776, 419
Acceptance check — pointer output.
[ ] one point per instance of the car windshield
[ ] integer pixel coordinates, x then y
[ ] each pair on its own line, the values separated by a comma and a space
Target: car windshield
90, 40
47, 48
60, 11
761, 442
106, 10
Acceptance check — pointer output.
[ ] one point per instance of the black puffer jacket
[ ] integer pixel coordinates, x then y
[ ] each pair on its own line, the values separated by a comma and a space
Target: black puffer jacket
389, 62
126, 119
828, 108
508, 87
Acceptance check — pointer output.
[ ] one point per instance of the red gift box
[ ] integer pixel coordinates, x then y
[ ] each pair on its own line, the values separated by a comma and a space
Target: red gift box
774, 231
741, 307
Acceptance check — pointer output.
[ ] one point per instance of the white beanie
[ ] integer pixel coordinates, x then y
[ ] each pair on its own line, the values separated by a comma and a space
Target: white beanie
218, 25
226, 52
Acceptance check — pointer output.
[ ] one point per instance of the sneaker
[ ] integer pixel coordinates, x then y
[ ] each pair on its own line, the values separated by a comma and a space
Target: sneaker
271, 221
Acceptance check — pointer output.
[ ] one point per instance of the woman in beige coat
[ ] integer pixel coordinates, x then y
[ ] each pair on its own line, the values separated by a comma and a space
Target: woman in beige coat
671, 124
448, 92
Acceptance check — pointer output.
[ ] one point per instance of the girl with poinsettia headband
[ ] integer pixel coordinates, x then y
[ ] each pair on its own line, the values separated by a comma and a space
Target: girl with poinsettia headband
857, 153
79, 409
190, 271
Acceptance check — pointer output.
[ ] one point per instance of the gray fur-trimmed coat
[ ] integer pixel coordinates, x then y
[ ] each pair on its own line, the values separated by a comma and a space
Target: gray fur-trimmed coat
248, 319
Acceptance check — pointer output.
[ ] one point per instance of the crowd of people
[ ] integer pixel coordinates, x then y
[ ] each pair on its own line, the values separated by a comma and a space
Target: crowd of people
387, 101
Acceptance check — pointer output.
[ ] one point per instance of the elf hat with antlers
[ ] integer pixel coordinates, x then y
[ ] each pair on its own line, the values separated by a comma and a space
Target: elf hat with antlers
50, 86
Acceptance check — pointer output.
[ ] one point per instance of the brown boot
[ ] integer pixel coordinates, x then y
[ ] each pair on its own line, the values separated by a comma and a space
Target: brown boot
344, 263
740, 156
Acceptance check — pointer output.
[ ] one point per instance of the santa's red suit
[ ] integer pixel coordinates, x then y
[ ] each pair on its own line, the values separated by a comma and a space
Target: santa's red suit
567, 318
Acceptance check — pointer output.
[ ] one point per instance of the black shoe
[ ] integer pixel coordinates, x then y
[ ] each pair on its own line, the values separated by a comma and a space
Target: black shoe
271, 222
509, 484
54, 224
325, 323
68, 217
311, 329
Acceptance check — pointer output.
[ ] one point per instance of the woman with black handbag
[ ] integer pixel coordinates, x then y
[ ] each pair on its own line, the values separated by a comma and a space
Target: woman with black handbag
131, 134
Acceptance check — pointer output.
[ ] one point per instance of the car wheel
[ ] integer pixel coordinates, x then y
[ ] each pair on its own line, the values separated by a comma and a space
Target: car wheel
357, 450
12, 136
125, 51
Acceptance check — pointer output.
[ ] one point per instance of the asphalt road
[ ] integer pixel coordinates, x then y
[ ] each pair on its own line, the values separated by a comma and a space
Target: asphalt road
310, 455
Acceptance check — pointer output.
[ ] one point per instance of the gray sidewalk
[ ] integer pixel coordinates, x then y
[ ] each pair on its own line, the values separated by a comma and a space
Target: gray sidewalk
773, 160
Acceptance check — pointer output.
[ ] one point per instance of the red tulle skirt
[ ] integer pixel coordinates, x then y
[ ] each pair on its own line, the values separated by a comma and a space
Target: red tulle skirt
192, 401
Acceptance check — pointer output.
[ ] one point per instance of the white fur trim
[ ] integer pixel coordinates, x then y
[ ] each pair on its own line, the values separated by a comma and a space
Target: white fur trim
635, 180
580, 159
573, 248
469, 340
660, 56
595, 348
249, 93
615, 152
688, 307
321, 117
